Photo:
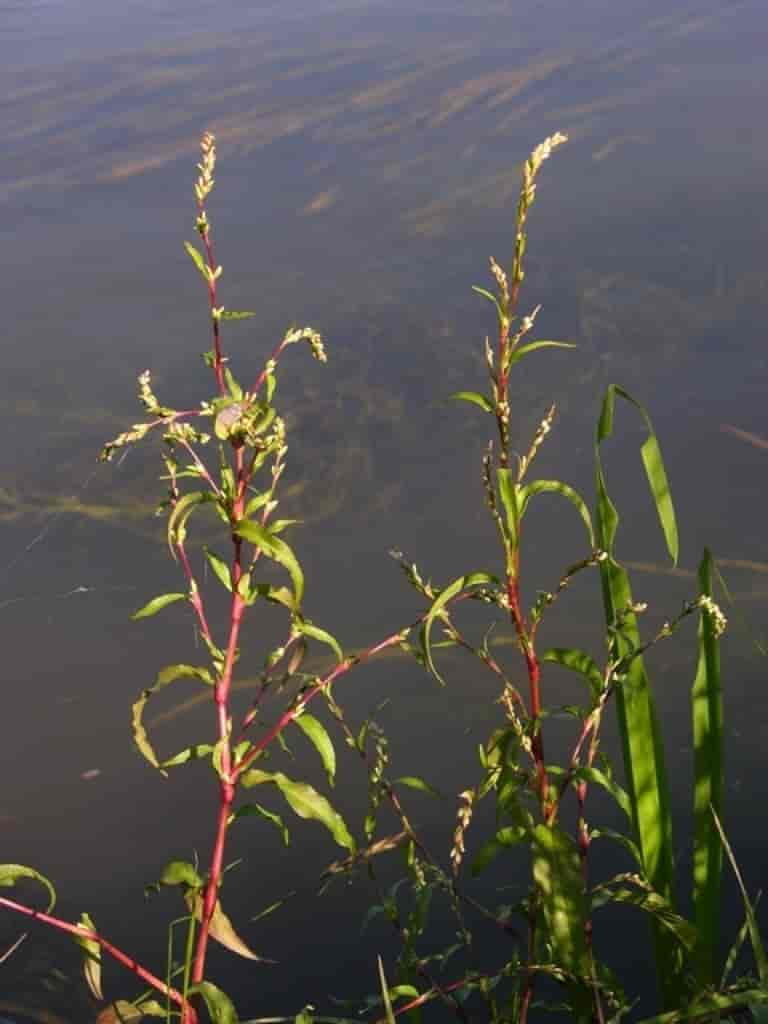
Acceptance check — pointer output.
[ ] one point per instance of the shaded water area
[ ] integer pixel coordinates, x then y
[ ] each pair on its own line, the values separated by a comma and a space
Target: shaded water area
369, 165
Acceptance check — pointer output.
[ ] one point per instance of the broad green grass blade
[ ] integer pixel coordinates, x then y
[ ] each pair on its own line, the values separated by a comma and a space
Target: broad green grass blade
707, 711
641, 741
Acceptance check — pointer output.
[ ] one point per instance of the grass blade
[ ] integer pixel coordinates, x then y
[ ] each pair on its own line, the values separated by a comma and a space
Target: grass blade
707, 712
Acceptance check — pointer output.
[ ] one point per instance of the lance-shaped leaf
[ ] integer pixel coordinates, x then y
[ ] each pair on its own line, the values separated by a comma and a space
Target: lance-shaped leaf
167, 675
560, 884
276, 549
221, 929
197, 259
517, 354
180, 513
220, 568
307, 628
510, 494
474, 398
558, 487
219, 1006
634, 890
439, 605
317, 735
262, 812
11, 873
306, 802
157, 604
707, 710
577, 661
91, 958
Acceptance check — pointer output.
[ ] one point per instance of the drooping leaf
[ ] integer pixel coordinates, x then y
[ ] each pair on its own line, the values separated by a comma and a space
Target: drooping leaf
276, 549
475, 398
221, 929
307, 628
707, 713
579, 661
305, 802
439, 604
639, 893
505, 838
11, 873
157, 604
318, 736
262, 812
167, 675
91, 958
219, 1006
180, 513
558, 487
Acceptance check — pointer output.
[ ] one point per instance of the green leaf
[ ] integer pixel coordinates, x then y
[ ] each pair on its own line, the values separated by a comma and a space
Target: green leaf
317, 735
192, 753
305, 802
758, 949
618, 837
475, 398
639, 731
262, 812
389, 1015
218, 1005
166, 675
236, 314
707, 712
221, 928
437, 608
220, 568
560, 884
10, 873
307, 628
491, 298
121, 1012
197, 259
91, 958
510, 493
157, 604
557, 487
276, 549
414, 782
577, 661
600, 778
523, 350
644, 897
180, 513
505, 838
181, 872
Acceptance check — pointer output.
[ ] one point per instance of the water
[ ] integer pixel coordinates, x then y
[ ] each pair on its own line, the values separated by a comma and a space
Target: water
369, 161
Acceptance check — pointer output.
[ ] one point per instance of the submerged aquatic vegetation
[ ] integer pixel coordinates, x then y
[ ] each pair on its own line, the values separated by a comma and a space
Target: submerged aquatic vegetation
228, 455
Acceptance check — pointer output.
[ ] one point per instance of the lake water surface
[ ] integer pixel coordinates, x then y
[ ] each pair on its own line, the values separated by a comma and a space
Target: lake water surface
369, 159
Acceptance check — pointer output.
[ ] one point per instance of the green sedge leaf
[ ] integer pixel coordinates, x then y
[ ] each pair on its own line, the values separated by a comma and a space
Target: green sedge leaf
558, 877
11, 873
414, 782
197, 259
277, 550
388, 1013
262, 812
475, 398
707, 713
439, 604
157, 604
557, 487
305, 802
758, 949
91, 958
523, 350
219, 1006
307, 628
220, 568
317, 735
577, 661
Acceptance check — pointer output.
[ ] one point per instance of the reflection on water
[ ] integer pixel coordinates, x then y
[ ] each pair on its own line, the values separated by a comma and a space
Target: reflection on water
368, 169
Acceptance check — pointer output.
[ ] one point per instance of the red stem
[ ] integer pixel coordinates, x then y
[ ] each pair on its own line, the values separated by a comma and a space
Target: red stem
189, 1016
